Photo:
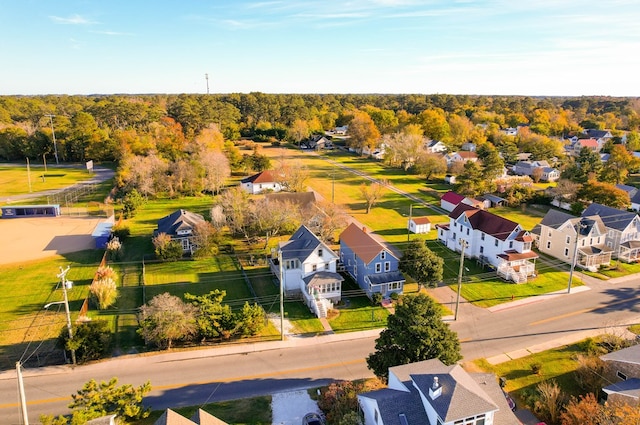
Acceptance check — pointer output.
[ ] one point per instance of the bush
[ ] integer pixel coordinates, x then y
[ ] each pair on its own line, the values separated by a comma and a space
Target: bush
395, 296
91, 340
121, 231
167, 249
536, 368
376, 298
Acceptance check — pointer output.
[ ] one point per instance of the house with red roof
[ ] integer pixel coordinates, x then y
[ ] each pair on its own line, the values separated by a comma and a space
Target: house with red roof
262, 182
591, 143
450, 200
495, 241
372, 264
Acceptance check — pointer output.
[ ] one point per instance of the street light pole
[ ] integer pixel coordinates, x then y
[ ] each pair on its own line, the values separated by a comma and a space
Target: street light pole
464, 245
53, 134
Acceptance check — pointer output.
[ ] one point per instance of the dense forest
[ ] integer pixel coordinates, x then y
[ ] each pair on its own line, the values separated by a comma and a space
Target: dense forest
108, 128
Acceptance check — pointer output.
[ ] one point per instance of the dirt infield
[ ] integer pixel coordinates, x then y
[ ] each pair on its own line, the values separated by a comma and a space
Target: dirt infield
24, 239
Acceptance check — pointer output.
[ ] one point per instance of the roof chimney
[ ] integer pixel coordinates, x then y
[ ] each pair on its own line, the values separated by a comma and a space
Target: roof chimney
436, 389
364, 229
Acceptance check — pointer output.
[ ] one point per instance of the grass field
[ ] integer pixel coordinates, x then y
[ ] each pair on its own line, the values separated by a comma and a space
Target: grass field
15, 180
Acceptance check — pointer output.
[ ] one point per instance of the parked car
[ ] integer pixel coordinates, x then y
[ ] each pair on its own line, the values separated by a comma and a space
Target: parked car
312, 419
510, 401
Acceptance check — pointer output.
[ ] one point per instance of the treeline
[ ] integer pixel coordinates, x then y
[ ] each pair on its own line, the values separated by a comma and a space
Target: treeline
108, 128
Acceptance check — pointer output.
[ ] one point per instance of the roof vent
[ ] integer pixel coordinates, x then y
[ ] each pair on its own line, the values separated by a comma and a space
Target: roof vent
436, 389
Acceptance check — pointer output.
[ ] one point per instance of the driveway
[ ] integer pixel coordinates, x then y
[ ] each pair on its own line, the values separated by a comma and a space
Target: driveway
289, 408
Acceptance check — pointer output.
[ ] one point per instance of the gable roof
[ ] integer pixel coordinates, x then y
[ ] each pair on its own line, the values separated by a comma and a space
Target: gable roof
365, 246
301, 244
200, 417
588, 143
555, 218
613, 218
592, 132
486, 222
452, 197
629, 355
421, 220
463, 394
302, 199
178, 220
262, 177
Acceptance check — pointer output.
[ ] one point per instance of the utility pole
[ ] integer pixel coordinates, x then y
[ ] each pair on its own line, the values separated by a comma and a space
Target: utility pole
53, 134
66, 284
23, 398
409, 223
333, 187
206, 77
464, 245
29, 175
280, 272
576, 227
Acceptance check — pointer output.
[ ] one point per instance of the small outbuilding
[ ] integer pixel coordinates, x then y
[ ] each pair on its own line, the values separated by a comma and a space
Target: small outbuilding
420, 225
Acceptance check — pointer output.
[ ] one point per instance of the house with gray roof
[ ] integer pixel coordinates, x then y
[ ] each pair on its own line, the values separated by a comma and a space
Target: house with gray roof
306, 265
623, 373
566, 238
526, 168
180, 225
430, 392
623, 230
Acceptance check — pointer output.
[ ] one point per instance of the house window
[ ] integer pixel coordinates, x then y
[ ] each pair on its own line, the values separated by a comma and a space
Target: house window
496, 242
185, 244
383, 255
481, 250
327, 266
510, 244
549, 234
566, 252
394, 286
482, 236
461, 227
375, 415
378, 267
387, 266
314, 267
621, 375
583, 242
467, 232
568, 240
454, 236
320, 252
548, 244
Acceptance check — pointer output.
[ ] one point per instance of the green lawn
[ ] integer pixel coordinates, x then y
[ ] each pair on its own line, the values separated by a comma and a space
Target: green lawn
27, 288
249, 411
15, 180
358, 316
557, 364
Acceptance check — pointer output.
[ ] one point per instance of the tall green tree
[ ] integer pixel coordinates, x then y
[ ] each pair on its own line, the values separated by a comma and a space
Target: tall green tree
214, 319
471, 181
415, 332
605, 194
617, 167
422, 264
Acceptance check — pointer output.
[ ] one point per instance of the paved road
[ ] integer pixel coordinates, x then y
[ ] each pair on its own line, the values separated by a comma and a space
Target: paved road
99, 175
231, 372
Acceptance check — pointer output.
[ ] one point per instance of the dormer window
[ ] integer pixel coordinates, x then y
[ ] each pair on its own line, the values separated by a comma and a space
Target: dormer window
319, 252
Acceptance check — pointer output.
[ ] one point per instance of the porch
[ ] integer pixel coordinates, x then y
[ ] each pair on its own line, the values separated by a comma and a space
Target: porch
629, 251
517, 266
592, 257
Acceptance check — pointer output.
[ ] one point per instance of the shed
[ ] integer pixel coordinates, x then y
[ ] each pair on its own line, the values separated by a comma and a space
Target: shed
420, 225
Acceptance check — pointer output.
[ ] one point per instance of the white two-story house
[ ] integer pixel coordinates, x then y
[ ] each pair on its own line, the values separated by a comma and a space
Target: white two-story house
494, 240
561, 235
623, 231
304, 264
431, 393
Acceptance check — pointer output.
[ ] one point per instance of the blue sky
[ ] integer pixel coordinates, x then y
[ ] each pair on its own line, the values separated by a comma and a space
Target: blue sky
513, 47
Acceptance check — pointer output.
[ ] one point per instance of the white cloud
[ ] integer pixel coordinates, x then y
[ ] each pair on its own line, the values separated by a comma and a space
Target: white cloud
72, 20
